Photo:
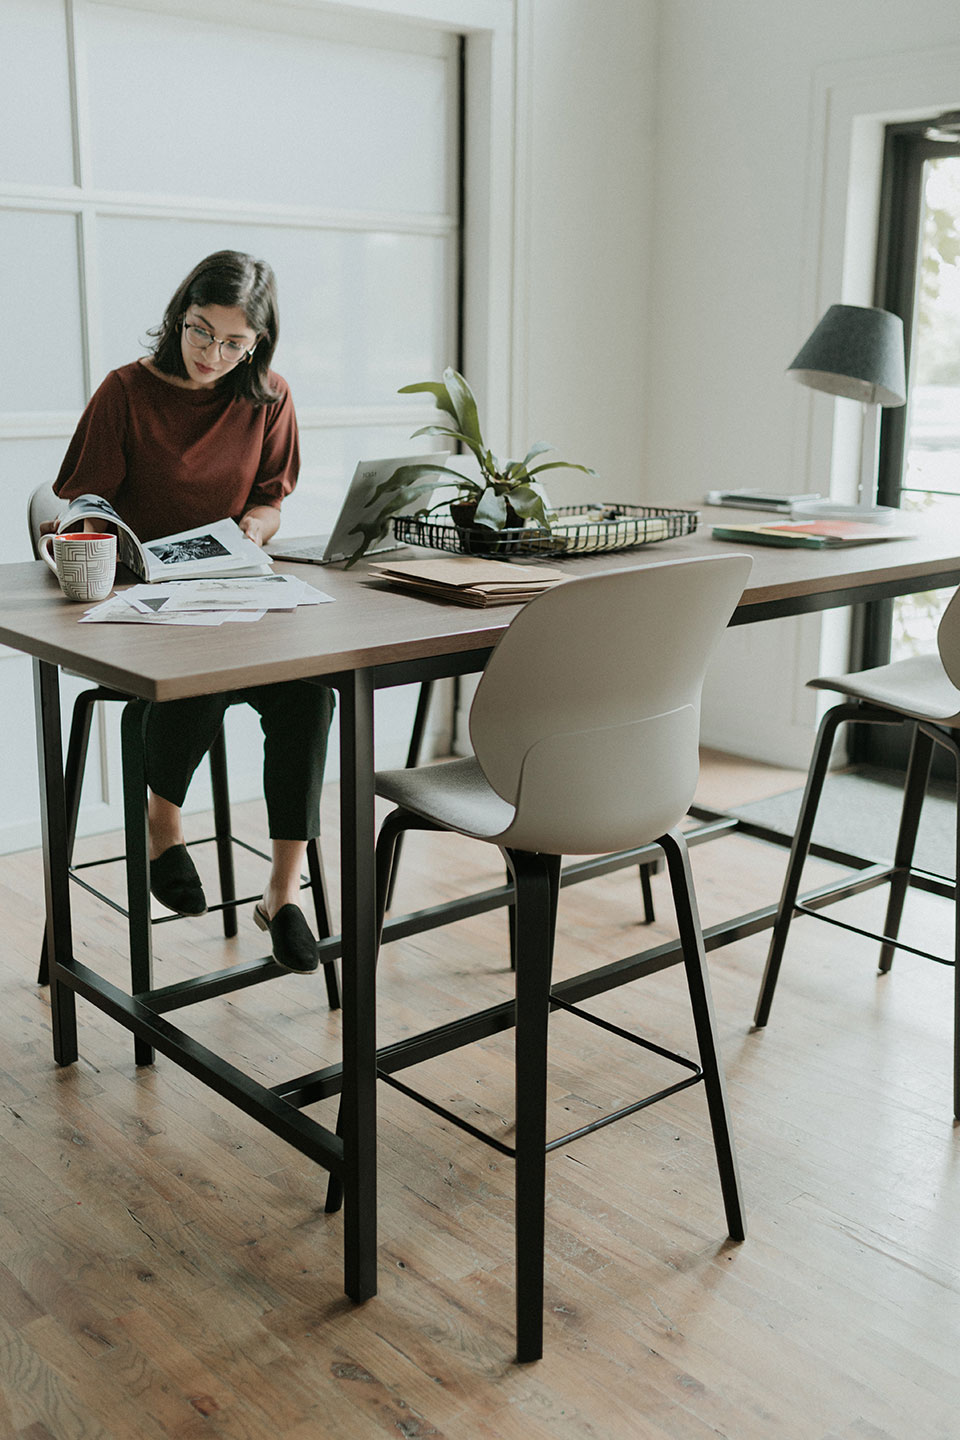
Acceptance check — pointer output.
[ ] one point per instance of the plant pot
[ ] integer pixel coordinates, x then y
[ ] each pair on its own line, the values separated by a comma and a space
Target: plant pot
481, 539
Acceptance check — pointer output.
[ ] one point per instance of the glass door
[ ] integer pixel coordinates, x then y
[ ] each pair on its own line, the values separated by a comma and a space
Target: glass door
919, 279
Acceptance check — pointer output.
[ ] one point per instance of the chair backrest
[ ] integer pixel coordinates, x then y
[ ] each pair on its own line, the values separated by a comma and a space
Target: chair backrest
948, 638
43, 505
587, 716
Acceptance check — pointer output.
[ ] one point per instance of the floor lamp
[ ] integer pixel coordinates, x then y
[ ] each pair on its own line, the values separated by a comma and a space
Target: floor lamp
856, 352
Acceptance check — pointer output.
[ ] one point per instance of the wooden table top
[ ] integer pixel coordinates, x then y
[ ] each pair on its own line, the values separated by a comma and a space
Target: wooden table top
371, 624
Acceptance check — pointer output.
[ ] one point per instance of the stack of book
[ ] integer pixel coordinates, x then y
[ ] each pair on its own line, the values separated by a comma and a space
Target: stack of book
815, 534
759, 499
468, 581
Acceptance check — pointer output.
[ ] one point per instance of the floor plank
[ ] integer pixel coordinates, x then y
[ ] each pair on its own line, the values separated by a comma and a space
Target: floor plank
167, 1269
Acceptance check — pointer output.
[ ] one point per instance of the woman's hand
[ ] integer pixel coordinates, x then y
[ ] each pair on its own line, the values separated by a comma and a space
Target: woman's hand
50, 527
260, 523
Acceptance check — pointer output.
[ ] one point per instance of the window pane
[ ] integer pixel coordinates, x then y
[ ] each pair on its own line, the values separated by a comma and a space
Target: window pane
44, 370
225, 111
36, 144
932, 446
329, 457
361, 314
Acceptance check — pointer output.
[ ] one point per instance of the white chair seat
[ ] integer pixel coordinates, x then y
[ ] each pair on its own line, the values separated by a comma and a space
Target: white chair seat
456, 795
918, 686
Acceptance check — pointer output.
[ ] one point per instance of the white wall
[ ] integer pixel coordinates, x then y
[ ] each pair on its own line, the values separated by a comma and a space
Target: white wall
757, 111
559, 165
354, 202
587, 84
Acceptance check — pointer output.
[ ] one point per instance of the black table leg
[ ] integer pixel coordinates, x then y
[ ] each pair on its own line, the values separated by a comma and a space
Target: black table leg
358, 979
56, 879
132, 728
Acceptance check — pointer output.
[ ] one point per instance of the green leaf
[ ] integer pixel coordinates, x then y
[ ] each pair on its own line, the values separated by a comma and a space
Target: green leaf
407, 475
450, 434
563, 465
437, 390
491, 510
464, 406
529, 503
399, 489
519, 467
370, 531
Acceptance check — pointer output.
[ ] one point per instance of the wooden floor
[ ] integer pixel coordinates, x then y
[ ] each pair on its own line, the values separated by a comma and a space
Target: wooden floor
167, 1270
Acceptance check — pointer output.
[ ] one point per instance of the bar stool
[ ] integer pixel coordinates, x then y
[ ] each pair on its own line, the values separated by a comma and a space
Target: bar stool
585, 727
922, 694
44, 506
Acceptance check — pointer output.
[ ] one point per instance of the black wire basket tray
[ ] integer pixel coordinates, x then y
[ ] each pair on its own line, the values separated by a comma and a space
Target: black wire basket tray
576, 530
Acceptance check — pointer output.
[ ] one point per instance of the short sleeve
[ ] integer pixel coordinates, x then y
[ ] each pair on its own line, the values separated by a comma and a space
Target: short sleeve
280, 455
95, 463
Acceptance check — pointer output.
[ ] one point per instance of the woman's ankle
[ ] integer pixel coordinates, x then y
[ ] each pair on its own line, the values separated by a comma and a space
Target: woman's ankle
284, 884
275, 896
165, 825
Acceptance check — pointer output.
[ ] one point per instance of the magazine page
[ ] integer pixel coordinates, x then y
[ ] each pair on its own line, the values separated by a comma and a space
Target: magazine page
244, 592
101, 512
220, 549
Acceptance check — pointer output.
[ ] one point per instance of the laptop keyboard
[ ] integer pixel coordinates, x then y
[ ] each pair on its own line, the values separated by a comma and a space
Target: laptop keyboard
314, 551
304, 552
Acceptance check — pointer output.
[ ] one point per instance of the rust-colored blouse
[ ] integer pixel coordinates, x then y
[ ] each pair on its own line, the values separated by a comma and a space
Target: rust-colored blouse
170, 458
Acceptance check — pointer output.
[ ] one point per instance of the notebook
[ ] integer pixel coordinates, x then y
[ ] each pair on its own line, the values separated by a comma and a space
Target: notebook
345, 535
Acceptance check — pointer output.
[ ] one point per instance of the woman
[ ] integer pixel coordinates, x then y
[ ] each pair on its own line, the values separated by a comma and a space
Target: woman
199, 430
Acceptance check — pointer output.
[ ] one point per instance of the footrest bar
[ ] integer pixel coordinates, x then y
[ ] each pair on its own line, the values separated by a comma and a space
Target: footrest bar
510, 1150
285, 1120
445, 1114
634, 1039
871, 934
625, 1110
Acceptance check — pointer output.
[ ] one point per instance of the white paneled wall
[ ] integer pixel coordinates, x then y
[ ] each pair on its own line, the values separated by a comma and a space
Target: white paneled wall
137, 138
559, 101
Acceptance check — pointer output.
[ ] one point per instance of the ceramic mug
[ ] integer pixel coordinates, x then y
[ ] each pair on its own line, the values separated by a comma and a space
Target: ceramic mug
85, 564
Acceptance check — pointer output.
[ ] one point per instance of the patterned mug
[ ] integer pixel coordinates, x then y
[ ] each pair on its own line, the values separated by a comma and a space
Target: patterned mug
85, 564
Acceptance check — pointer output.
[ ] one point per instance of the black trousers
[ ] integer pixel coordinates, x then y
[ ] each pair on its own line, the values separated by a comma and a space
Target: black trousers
295, 718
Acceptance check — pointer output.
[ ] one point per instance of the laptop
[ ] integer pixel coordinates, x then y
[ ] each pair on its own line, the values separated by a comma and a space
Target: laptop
345, 535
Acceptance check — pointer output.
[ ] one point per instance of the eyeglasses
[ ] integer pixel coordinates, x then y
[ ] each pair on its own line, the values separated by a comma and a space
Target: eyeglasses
229, 350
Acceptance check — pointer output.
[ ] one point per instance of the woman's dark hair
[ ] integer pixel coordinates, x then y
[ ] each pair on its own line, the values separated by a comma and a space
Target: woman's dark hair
232, 279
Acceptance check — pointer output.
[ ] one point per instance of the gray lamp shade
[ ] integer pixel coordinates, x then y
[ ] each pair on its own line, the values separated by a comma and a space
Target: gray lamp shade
856, 351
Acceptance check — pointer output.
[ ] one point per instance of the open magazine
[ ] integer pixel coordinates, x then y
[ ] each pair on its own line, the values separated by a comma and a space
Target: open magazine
216, 550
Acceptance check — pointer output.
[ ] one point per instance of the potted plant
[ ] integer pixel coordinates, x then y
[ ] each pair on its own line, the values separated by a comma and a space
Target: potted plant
508, 494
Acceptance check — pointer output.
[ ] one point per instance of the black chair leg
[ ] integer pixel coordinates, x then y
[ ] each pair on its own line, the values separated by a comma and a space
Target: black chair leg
221, 825
798, 852
537, 883
139, 929
914, 789
321, 909
648, 869
413, 758
512, 921
74, 765
698, 983
954, 748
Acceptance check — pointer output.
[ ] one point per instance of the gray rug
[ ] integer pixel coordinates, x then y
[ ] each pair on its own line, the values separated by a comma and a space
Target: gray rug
859, 813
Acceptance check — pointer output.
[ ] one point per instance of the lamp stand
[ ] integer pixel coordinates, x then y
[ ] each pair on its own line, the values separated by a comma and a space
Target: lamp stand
866, 508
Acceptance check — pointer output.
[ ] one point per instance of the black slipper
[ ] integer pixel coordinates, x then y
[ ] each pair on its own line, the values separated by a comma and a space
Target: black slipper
293, 945
175, 883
